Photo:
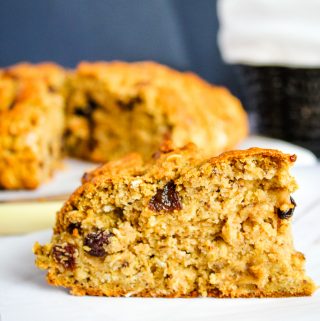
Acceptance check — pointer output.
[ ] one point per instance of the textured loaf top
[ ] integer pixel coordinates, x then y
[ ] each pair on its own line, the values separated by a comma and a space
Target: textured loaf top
26, 92
172, 164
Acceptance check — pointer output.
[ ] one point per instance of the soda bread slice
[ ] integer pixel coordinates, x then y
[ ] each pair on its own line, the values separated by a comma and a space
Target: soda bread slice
180, 225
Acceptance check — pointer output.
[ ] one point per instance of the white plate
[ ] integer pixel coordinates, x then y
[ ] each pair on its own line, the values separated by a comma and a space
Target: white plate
24, 294
64, 181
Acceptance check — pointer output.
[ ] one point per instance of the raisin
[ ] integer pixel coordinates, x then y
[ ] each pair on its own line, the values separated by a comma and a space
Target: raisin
65, 255
85, 177
130, 104
12, 104
82, 111
92, 106
287, 214
166, 199
119, 212
73, 226
156, 155
67, 133
52, 89
96, 242
125, 264
92, 143
293, 158
86, 111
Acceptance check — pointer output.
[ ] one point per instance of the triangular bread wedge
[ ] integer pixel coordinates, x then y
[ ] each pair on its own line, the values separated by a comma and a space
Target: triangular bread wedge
180, 226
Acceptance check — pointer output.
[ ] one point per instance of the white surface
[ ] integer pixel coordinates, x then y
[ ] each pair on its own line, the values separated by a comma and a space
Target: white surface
24, 294
65, 181
270, 32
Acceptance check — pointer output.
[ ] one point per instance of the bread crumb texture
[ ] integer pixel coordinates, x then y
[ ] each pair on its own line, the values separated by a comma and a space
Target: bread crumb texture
180, 225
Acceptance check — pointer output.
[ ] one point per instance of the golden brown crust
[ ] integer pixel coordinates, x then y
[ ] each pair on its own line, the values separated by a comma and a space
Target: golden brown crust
80, 291
50, 73
127, 164
211, 294
133, 164
262, 152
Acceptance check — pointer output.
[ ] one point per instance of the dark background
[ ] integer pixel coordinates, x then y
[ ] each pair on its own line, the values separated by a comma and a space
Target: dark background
179, 33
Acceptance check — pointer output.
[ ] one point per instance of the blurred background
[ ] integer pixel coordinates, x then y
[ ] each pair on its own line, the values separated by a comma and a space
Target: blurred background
179, 33
272, 48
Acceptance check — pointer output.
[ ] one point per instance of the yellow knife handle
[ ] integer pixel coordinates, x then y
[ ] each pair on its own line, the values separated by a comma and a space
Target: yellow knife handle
27, 217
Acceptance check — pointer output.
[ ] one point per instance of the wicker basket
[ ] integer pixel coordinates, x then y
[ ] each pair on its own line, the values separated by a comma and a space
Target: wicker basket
285, 102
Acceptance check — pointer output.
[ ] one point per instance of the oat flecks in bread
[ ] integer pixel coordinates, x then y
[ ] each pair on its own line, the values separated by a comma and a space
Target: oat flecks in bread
31, 124
109, 109
180, 225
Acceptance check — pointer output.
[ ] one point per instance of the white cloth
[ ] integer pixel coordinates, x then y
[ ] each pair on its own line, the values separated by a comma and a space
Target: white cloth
270, 32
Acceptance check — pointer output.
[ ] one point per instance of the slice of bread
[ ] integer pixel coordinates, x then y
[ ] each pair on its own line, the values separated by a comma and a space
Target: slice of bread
181, 225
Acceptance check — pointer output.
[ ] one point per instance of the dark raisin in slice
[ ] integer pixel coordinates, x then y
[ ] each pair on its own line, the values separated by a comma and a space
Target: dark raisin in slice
12, 104
85, 177
130, 104
67, 133
156, 155
87, 110
119, 212
52, 89
96, 242
82, 111
65, 255
125, 264
73, 226
287, 214
166, 199
92, 104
